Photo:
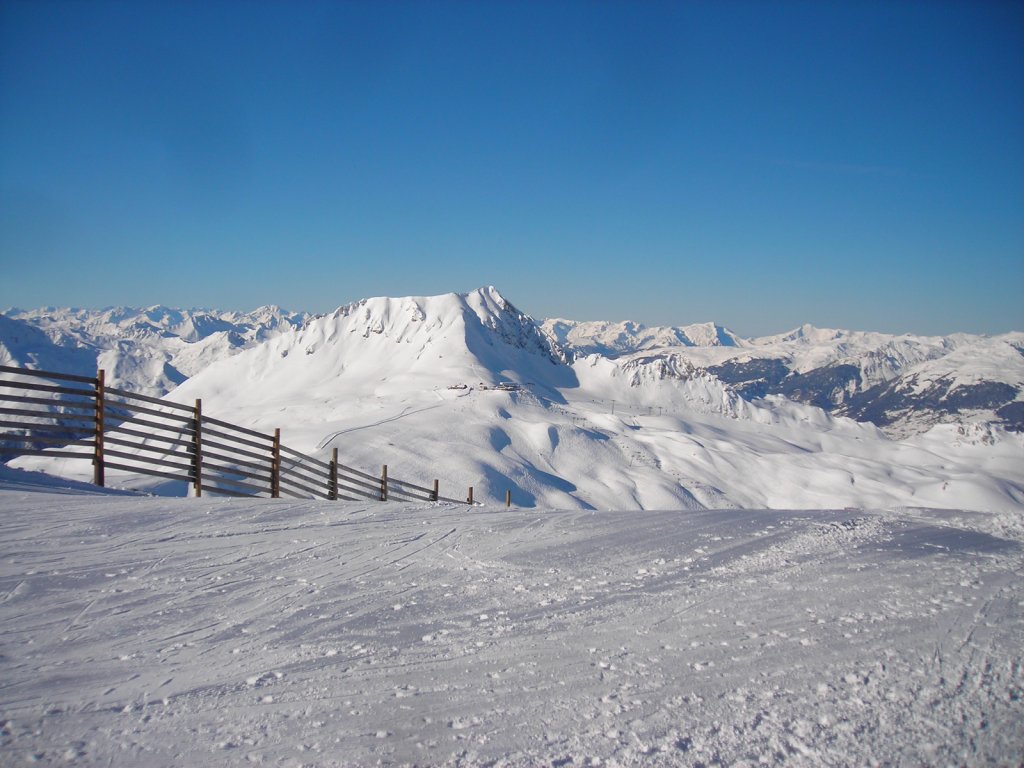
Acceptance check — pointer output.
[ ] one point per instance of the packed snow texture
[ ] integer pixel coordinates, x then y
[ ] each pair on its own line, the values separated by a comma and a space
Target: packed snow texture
375, 380
169, 632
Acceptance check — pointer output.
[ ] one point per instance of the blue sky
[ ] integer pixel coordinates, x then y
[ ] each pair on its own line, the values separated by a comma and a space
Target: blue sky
762, 165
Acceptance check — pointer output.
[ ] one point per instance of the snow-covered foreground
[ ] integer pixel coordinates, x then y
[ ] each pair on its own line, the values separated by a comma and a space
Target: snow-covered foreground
146, 631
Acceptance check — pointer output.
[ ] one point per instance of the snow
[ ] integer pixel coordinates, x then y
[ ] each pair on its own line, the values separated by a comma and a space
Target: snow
167, 632
928, 378
686, 577
149, 350
23, 344
997, 359
804, 349
614, 339
649, 431
941, 379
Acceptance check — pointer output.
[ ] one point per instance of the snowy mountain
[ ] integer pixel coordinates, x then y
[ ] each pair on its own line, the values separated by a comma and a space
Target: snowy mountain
467, 389
614, 339
904, 384
149, 350
24, 345
978, 382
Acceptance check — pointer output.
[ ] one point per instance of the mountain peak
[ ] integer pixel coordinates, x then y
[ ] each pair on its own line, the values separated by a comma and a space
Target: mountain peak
627, 337
489, 295
808, 333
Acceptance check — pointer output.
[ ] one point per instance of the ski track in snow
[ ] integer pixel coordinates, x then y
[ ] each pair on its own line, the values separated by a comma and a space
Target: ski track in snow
408, 411
140, 631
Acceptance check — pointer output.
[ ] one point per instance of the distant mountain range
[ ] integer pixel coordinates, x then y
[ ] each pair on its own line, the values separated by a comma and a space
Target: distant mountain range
903, 384
467, 388
149, 351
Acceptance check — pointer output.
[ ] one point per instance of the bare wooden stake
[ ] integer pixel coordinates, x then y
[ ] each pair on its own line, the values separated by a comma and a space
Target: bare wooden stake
197, 449
384, 483
332, 490
98, 474
508, 498
437, 488
275, 466
470, 499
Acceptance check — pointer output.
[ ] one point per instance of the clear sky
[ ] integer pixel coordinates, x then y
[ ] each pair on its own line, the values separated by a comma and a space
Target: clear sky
763, 164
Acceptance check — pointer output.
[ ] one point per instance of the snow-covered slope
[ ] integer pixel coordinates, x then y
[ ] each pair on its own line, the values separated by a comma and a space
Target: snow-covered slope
149, 350
869, 376
382, 346
163, 632
467, 389
412, 383
872, 377
613, 339
981, 382
24, 345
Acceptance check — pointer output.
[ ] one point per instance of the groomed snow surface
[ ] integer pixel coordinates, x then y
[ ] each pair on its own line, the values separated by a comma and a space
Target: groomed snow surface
172, 632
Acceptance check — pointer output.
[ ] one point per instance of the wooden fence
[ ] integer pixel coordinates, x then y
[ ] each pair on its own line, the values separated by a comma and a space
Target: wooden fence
79, 417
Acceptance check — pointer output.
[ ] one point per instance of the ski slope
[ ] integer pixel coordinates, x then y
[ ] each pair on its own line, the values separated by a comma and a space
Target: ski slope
169, 632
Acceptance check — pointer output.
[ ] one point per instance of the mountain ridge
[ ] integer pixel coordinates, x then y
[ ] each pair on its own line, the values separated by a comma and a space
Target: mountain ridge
866, 375
149, 350
466, 387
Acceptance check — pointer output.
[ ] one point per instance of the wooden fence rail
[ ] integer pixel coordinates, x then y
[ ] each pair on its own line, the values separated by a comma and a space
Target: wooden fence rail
82, 418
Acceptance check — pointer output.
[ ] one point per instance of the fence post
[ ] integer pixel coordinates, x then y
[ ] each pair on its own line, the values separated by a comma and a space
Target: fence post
470, 499
275, 466
384, 483
508, 498
98, 474
437, 489
332, 491
197, 449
